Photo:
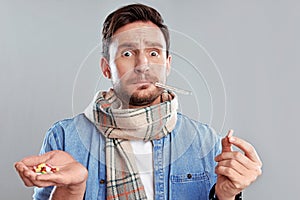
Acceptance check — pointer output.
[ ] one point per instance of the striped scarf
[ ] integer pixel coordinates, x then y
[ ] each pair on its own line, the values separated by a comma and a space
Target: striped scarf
121, 125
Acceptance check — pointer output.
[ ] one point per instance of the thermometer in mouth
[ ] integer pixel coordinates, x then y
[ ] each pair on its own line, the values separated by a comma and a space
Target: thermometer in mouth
173, 89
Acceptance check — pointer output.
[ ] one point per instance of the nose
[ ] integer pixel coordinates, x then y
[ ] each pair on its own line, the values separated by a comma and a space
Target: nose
141, 69
142, 65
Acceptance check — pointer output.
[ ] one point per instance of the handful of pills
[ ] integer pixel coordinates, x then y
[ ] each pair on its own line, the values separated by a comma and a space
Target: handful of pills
45, 168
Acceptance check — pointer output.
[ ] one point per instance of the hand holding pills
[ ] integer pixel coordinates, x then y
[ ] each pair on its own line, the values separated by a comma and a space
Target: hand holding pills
54, 168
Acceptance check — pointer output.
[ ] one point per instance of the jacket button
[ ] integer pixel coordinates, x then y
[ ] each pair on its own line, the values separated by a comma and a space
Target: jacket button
102, 181
189, 176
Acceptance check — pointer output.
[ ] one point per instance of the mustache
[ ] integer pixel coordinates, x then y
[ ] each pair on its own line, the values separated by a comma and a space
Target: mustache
142, 78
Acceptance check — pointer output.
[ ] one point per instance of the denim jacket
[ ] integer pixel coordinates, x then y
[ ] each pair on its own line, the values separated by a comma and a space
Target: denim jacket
183, 160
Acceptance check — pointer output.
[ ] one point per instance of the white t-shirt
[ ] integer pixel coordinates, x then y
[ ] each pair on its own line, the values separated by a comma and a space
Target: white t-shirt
143, 156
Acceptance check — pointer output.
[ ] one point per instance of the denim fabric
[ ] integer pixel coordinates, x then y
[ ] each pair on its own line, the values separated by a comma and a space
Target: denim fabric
183, 160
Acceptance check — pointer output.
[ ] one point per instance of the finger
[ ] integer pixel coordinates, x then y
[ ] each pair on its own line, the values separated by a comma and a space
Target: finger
26, 181
230, 133
20, 167
235, 165
239, 157
226, 145
31, 178
58, 178
247, 148
36, 160
228, 172
30, 174
39, 183
54, 177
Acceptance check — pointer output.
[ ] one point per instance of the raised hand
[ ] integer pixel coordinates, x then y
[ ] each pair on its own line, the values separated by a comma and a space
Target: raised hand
236, 170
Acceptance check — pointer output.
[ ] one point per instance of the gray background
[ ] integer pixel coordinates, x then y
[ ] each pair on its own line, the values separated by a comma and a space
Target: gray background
255, 45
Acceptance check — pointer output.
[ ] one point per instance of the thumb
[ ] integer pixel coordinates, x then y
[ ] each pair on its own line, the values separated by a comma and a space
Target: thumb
226, 145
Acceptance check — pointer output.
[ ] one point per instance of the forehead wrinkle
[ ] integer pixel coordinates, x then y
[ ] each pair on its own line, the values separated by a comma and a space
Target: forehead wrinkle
136, 44
153, 44
128, 45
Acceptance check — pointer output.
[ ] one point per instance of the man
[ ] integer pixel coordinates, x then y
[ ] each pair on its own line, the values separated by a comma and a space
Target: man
131, 143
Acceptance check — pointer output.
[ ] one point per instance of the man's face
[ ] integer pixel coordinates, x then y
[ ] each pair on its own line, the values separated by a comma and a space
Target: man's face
138, 60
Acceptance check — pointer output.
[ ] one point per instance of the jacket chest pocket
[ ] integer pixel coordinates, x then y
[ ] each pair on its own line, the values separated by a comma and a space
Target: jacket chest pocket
190, 186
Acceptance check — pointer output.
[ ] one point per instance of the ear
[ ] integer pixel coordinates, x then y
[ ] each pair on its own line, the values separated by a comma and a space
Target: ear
105, 68
168, 64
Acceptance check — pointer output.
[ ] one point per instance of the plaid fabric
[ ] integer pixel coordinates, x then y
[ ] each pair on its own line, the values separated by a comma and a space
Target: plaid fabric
123, 180
121, 125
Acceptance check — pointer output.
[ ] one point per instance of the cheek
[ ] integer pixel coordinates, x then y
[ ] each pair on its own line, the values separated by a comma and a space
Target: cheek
122, 67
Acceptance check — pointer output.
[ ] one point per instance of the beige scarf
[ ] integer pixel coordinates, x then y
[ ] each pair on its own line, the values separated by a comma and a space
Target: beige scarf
121, 125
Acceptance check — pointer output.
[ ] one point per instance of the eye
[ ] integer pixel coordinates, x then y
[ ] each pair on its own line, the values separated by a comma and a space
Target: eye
154, 53
127, 53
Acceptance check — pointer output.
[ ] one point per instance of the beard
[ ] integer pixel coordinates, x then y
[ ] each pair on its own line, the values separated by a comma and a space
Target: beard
142, 97
133, 95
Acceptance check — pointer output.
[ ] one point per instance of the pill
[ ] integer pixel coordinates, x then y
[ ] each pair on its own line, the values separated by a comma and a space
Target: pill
45, 168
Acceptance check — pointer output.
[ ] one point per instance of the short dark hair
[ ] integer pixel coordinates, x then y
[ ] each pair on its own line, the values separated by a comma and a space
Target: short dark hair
128, 14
